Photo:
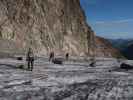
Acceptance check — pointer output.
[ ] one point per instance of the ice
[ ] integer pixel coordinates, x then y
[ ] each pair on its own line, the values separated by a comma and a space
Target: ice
74, 80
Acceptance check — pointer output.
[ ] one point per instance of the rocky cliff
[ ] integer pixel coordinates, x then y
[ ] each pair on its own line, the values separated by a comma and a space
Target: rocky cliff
44, 25
105, 49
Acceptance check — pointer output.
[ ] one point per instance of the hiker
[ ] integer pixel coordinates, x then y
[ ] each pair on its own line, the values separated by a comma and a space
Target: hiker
51, 56
93, 62
67, 56
30, 59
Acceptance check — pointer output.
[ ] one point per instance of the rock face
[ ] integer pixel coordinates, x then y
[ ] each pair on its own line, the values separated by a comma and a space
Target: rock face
105, 49
44, 25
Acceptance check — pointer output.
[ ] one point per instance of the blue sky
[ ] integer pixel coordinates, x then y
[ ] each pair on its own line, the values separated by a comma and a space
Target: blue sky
110, 18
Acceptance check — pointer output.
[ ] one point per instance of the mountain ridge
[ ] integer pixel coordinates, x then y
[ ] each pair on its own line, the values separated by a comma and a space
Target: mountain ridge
124, 46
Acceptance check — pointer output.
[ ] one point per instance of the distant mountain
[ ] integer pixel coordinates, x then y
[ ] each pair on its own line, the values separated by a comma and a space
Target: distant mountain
128, 52
124, 45
121, 44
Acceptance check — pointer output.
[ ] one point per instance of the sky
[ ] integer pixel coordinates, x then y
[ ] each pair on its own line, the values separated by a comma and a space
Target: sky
110, 18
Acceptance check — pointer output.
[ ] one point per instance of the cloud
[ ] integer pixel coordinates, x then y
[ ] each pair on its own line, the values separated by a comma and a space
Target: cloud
114, 22
114, 29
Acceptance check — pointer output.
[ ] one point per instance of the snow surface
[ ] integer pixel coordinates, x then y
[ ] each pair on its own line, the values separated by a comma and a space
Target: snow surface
74, 80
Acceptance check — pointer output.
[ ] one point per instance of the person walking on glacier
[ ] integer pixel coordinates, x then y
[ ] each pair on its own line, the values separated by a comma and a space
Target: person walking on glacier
51, 56
67, 56
30, 59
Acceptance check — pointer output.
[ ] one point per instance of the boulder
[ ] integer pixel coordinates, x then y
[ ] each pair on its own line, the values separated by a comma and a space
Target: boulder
57, 61
19, 58
126, 66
